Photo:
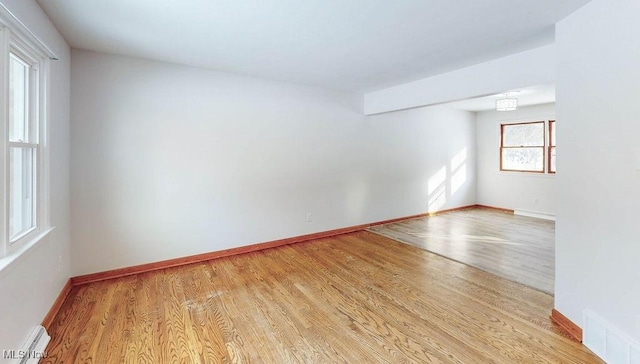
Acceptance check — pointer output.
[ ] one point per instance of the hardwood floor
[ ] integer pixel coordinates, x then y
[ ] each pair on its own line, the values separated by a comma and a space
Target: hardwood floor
518, 248
354, 298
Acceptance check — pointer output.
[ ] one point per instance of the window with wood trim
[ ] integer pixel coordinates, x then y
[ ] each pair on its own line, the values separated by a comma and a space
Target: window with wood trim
522, 147
552, 146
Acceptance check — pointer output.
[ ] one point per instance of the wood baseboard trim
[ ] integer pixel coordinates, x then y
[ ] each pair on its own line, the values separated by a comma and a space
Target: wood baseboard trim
426, 214
571, 328
57, 304
508, 211
136, 269
127, 271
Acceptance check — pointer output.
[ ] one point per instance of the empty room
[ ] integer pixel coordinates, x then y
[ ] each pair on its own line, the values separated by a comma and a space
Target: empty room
358, 181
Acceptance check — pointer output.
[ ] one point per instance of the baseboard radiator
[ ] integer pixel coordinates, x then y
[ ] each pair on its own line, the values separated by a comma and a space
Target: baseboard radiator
34, 349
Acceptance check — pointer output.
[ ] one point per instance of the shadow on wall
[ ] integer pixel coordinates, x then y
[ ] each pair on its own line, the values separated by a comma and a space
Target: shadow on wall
455, 175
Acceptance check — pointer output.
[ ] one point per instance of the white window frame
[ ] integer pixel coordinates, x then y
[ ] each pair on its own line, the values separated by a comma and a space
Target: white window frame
17, 39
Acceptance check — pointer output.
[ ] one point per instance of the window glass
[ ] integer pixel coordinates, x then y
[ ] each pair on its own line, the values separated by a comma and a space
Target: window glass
527, 135
18, 100
523, 159
21, 191
22, 150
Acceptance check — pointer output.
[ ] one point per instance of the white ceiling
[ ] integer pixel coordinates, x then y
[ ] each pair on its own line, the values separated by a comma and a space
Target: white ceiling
533, 95
358, 45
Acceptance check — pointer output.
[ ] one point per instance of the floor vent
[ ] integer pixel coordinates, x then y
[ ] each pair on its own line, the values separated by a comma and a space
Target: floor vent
607, 342
34, 348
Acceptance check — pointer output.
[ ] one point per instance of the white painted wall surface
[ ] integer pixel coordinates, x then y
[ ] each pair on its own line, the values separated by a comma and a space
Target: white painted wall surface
31, 284
532, 67
512, 190
170, 161
598, 229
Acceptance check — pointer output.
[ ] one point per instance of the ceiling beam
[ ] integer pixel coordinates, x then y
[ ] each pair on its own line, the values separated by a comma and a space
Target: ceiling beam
532, 67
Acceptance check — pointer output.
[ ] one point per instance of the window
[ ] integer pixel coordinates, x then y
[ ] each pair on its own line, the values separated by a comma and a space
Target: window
552, 146
23, 147
522, 147
525, 148
23, 153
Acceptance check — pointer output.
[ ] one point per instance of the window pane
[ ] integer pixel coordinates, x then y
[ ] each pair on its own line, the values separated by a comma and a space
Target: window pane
552, 160
552, 133
523, 135
523, 159
18, 100
21, 191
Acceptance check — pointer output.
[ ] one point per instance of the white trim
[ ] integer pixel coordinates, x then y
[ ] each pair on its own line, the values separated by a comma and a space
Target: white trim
22, 145
17, 39
24, 250
23, 235
5, 42
26, 36
44, 178
536, 214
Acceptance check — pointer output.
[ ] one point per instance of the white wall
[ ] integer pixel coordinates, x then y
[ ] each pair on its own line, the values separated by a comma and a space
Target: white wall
170, 161
530, 192
598, 229
532, 67
30, 285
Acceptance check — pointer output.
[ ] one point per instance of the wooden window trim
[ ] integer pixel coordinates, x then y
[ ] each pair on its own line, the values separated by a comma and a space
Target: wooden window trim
542, 147
550, 147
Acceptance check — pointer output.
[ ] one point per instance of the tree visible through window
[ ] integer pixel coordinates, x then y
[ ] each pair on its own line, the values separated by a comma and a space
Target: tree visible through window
522, 147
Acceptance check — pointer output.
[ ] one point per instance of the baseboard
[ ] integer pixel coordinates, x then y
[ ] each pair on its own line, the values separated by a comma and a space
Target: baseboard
608, 342
539, 215
123, 272
426, 214
508, 211
57, 304
571, 328
440, 212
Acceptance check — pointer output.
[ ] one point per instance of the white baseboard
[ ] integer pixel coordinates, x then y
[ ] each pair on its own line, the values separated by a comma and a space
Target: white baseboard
607, 342
539, 215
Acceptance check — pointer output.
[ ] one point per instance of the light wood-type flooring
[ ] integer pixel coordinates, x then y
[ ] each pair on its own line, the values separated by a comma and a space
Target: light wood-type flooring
353, 298
517, 248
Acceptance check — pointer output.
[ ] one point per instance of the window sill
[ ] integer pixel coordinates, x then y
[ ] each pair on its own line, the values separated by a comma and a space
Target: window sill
526, 174
8, 262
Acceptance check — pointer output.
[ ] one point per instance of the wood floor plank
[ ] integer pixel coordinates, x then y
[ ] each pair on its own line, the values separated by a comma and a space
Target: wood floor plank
514, 247
415, 296
354, 298
200, 304
139, 323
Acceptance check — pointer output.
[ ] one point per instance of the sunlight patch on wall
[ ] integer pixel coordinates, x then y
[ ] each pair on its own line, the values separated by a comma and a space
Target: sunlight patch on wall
459, 170
459, 159
437, 180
